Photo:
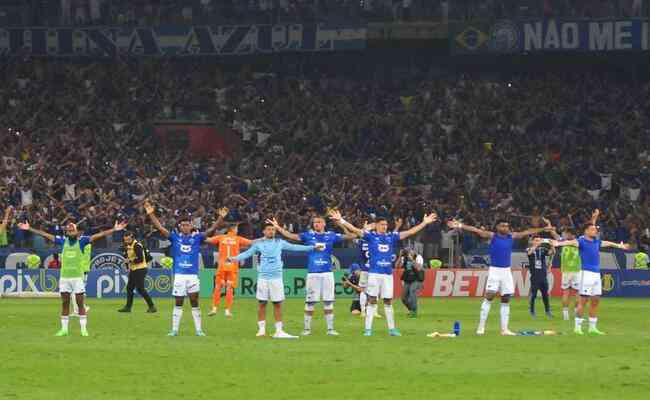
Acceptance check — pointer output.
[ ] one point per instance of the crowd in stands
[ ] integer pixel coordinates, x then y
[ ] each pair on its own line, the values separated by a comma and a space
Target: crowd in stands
77, 145
153, 12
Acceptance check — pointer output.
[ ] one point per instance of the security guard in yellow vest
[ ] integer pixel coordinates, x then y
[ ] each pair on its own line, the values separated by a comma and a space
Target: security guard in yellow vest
135, 258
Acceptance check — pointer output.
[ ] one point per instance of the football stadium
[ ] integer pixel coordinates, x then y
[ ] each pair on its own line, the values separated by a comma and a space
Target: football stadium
328, 199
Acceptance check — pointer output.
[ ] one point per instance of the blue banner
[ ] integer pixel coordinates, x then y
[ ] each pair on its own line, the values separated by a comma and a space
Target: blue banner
108, 276
631, 283
101, 283
112, 283
550, 35
181, 40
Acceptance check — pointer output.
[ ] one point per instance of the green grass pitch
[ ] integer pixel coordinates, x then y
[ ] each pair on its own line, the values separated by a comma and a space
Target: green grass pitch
129, 356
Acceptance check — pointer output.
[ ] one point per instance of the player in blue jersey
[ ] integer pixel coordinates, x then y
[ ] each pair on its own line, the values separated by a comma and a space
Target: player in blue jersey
270, 285
381, 247
320, 278
499, 274
590, 287
364, 269
185, 250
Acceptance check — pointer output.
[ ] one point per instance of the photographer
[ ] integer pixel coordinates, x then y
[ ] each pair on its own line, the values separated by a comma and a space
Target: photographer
351, 280
412, 279
540, 253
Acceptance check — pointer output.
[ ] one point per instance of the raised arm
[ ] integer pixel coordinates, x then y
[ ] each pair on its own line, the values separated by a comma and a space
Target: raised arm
283, 232
453, 224
551, 229
338, 219
221, 215
25, 226
428, 219
347, 235
621, 245
299, 247
246, 254
561, 243
594, 217
148, 208
532, 231
118, 227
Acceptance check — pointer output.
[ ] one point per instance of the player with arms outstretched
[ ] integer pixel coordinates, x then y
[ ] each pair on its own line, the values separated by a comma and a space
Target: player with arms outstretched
570, 266
71, 282
320, 278
270, 285
381, 247
227, 272
364, 269
186, 247
499, 274
589, 245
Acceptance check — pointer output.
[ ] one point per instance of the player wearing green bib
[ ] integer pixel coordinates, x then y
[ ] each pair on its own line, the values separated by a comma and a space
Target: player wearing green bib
74, 261
570, 266
85, 268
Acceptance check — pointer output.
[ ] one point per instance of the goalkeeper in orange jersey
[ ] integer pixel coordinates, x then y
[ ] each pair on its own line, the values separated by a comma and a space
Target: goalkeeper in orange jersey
227, 271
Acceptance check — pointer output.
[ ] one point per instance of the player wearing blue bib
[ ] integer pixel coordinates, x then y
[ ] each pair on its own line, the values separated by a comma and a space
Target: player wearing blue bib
499, 275
589, 246
381, 248
185, 250
320, 278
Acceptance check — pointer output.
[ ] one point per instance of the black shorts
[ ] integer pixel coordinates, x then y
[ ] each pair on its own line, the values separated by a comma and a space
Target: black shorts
539, 284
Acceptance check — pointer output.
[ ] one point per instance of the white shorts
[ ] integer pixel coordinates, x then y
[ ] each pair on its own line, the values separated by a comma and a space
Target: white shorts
500, 280
363, 279
72, 285
270, 289
185, 284
320, 287
380, 285
570, 280
590, 284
